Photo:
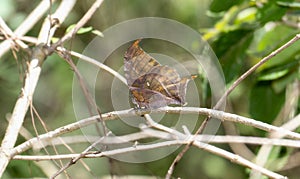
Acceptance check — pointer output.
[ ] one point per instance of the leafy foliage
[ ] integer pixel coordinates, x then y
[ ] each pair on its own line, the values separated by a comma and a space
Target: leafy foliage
246, 33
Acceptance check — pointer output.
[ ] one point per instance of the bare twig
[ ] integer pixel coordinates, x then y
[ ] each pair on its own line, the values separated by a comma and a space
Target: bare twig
90, 103
156, 125
9, 34
180, 140
74, 160
51, 23
237, 159
227, 92
78, 25
27, 24
96, 63
256, 66
89, 100
148, 132
39, 54
127, 113
163, 135
291, 103
21, 107
48, 166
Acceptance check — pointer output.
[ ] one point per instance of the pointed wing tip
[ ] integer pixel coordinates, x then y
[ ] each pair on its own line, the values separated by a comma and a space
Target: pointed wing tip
136, 43
133, 50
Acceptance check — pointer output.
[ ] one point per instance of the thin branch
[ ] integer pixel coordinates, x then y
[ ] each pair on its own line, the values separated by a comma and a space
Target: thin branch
21, 107
50, 23
164, 135
227, 92
39, 54
10, 35
47, 166
232, 157
95, 62
102, 154
74, 160
184, 140
90, 103
237, 159
291, 103
78, 25
89, 100
256, 66
131, 112
27, 24
156, 125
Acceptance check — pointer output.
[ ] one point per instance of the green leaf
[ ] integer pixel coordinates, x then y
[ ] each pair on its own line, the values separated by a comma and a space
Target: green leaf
270, 11
267, 40
280, 84
230, 48
286, 56
265, 104
246, 16
7, 9
82, 30
70, 28
289, 4
270, 38
278, 158
273, 75
217, 6
54, 39
98, 33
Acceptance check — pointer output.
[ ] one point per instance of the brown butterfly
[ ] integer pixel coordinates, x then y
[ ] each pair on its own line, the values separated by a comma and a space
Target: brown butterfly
151, 84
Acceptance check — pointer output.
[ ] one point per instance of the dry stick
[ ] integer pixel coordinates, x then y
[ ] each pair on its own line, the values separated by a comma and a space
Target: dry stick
21, 106
69, 35
30, 83
131, 112
179, 139
9, 34
78, 25
27, 24
52, 22
32, 75
290, 104
90, 102
74, 160
227, 92
32, 112
149, 132
212, 149
192, 141
47, 167
96, 63
77, 139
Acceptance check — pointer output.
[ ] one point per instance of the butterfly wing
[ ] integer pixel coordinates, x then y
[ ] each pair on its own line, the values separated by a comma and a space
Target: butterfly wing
151, 84
137, 63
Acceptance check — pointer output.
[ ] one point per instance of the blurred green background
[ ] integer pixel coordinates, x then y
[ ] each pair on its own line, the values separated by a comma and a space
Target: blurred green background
241, 32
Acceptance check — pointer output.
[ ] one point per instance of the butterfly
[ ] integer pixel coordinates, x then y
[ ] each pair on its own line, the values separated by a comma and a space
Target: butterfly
151, 84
